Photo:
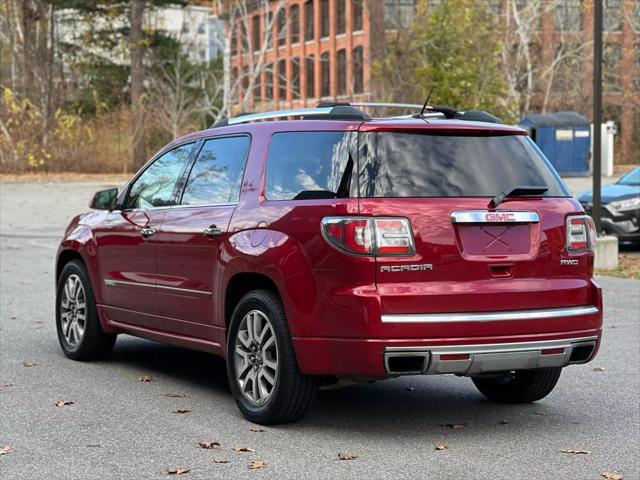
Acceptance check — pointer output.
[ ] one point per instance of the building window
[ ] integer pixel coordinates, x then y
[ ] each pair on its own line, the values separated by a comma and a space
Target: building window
295, 78
257, 89
612, 21
308, 19
324, 18
341, 60
357, 15
244, 38
611, 71
268, 81
341, 13
569, 16
311, 77
282, 27
234, 41
294, 15
233, 79
399, 13
325, 75
282, 79
268, 29
245, 79
358, 70
255, 32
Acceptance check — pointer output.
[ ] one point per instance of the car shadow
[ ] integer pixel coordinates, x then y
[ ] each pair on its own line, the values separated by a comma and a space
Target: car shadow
184, 365
417, 405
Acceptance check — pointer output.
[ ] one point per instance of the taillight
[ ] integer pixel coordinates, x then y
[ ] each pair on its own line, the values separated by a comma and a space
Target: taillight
581, 233
377, 236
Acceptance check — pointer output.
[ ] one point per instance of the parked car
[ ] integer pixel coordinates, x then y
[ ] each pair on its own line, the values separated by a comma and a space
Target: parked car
620, 212
340, 246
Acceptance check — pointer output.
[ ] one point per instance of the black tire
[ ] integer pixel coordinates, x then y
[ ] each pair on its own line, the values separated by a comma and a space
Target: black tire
293, 393
523, 386
95, 344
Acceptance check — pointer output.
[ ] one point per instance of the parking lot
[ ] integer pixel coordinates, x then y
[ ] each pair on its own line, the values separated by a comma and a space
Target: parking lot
121, 427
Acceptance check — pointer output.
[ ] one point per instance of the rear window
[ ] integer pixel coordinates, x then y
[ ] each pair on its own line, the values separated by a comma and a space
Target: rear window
421, 165
310, 165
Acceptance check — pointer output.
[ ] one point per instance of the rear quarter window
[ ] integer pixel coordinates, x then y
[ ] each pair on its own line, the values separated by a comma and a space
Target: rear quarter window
395, 164
310, 165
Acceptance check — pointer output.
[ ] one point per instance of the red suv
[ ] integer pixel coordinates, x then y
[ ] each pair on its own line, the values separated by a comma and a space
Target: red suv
341, 246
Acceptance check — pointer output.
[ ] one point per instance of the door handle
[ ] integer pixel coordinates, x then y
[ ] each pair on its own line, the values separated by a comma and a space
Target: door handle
212, 231
146, 232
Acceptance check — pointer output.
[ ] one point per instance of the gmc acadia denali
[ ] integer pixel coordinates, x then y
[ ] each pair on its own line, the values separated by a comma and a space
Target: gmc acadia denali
318, 244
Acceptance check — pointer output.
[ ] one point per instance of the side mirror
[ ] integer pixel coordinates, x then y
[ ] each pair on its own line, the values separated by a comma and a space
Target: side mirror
104, 199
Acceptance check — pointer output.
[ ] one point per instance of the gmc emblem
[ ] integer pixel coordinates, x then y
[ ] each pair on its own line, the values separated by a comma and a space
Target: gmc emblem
500, 217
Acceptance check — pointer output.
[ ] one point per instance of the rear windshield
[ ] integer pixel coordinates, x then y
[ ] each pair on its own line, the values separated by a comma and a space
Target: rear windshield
426, 165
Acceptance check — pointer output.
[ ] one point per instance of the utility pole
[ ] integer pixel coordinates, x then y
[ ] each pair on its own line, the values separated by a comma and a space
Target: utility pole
597, 113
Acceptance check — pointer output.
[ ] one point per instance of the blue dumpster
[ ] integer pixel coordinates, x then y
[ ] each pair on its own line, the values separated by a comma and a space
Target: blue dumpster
565, 138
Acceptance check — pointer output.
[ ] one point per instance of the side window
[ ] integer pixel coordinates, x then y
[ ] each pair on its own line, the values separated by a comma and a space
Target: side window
154, 187
216, 176
309, 165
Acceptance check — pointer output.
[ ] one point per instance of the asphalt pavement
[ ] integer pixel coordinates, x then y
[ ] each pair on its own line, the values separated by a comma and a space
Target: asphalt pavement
119, 427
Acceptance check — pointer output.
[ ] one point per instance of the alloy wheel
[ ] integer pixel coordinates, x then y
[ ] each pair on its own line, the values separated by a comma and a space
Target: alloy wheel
73, 310
256, 357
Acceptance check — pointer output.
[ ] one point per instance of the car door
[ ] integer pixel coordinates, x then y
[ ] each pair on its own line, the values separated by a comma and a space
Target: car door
127, 249
194, 235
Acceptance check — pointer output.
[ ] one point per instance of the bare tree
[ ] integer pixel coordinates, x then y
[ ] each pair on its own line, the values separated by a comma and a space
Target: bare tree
253, 45
136, 48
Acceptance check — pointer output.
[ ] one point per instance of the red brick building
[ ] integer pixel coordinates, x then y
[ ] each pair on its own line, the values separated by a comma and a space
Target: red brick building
316, 50
321, 50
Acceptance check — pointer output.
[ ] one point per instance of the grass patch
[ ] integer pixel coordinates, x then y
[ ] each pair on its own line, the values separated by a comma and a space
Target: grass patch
628, 267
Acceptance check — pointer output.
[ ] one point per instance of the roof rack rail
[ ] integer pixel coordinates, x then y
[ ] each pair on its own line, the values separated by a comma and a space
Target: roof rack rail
347, 111
324, 111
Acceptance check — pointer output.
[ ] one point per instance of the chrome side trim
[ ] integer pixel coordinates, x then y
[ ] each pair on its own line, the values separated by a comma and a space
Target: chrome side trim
490, 316
115, 283
497, 216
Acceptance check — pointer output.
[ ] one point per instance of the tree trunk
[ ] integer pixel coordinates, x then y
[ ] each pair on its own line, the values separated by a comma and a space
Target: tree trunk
136, 48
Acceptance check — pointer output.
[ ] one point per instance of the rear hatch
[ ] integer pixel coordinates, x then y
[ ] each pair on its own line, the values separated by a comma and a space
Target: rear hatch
470, 256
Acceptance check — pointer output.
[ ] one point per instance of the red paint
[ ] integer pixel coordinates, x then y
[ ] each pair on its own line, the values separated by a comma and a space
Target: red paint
334, 301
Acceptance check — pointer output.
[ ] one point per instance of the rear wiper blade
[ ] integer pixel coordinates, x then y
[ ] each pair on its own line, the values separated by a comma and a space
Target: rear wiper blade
517, 191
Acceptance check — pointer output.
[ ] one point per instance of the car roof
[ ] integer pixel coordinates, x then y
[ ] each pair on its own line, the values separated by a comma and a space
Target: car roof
449, 126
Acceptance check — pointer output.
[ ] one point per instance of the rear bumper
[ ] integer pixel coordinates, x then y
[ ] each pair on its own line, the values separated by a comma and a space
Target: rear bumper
487, 358
369, 358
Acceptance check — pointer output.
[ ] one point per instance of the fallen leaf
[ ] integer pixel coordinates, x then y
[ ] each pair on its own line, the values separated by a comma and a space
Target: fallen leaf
220, 460
576, 452
6, 449
346, 456
38, 321
503, 422
256, 429
613, 326
243, 449
5, 385
63, 403
208, 445
173, 395
182, 410
456, 426
441, 447
612, 475
257, 464
147, 378
178, 471
599, 369
542, 414
95, 445
30, 364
